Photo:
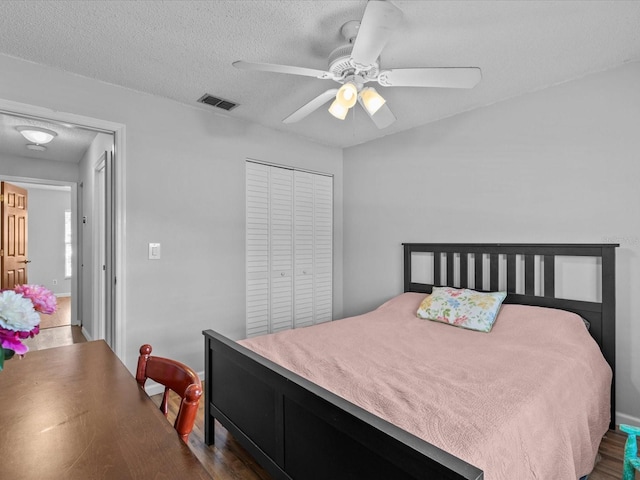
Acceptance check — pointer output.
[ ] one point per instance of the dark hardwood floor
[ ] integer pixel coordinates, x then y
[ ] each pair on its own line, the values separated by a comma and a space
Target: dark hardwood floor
611, 453
228, 460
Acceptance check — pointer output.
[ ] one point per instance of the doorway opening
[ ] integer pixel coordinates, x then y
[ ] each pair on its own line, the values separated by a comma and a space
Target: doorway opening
96, 212
40, 248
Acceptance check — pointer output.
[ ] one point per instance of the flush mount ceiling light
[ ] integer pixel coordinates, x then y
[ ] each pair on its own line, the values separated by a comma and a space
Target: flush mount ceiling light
37, 135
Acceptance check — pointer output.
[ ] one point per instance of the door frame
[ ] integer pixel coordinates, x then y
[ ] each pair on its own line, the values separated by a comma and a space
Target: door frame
119, 192
99, 242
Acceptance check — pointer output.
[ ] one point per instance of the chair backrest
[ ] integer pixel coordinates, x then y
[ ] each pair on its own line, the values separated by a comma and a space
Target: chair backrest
174, 376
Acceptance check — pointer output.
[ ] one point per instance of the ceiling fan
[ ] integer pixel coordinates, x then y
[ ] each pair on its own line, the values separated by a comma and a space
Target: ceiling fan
357, 63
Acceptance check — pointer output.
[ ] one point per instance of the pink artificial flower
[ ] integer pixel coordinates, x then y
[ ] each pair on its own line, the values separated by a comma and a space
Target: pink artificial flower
19, 317
31, 334
44, 301
11, 340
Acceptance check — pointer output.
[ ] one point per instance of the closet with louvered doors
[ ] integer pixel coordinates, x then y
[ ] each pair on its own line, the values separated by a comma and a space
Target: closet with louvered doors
289, 248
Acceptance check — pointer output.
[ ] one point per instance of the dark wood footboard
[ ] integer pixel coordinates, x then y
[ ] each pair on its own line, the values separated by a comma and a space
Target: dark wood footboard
298, 430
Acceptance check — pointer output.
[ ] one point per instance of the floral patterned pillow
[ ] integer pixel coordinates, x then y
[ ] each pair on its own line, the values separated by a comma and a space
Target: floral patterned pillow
462, 307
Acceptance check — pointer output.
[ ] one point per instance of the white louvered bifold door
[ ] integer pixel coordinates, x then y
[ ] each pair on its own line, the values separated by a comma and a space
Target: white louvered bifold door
257, 197
323, 248
281, 255
289, 248
303, 249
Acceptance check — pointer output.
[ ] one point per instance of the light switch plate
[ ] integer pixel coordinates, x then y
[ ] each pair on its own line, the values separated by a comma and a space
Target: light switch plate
154, 251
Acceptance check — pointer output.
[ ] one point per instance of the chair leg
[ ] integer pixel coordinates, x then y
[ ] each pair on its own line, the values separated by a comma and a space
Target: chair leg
630, 452
628, 472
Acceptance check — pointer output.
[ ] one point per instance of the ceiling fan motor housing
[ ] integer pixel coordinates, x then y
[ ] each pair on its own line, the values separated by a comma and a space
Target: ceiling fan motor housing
339, 60
340, 64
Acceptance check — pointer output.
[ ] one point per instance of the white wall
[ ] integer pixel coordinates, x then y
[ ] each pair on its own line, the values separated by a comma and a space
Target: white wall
557, 165
184, 189
46, 209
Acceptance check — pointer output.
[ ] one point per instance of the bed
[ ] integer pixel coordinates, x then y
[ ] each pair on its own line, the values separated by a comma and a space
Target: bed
304, 429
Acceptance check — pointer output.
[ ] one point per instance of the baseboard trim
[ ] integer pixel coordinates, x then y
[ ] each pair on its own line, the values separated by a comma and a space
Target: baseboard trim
627, 419
86, 334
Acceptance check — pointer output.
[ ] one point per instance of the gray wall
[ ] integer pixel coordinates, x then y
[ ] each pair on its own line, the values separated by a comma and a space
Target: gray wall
184, 188
557, 165
46, 237
37, 168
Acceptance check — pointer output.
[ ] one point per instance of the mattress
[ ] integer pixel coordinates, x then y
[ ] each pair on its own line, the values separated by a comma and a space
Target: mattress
530, 399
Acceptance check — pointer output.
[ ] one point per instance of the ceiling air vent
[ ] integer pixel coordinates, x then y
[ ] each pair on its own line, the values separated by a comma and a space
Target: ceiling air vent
217, 102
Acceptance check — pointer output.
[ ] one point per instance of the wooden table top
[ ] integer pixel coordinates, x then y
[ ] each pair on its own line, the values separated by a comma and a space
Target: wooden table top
76, 412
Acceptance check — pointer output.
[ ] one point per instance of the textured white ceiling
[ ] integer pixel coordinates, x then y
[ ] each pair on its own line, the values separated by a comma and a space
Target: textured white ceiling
183, 49
69, 145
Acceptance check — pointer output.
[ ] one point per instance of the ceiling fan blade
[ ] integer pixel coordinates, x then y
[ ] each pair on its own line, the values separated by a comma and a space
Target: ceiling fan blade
378, 22
270, 67
312, 106
444, 77
382, 118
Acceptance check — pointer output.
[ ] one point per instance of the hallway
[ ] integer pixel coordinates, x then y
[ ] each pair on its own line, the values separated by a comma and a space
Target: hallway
55, 337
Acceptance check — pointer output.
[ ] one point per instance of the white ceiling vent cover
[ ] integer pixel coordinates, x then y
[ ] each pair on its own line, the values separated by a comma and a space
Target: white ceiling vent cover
217, 102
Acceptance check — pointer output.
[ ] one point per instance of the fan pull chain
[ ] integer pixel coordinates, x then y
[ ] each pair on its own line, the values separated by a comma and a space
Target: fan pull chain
353, 122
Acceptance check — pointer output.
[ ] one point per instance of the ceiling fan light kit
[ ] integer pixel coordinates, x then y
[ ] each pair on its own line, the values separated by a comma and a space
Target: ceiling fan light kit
357, 63
338, 110
347, 95
372, 100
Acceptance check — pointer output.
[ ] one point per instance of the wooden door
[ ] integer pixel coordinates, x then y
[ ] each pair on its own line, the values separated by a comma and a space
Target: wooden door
13, 252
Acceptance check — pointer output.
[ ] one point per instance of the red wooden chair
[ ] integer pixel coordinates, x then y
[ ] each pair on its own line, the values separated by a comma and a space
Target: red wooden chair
174, 376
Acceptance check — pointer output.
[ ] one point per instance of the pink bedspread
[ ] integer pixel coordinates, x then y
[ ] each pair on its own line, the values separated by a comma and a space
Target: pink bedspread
528, 400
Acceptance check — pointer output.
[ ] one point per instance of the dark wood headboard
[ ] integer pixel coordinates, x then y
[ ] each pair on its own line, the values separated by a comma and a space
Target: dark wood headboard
451, 267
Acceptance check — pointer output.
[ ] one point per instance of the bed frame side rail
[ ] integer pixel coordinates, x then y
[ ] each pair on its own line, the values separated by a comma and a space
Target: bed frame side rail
297, 429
